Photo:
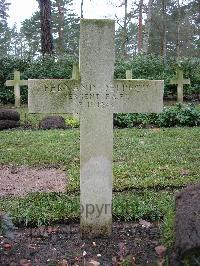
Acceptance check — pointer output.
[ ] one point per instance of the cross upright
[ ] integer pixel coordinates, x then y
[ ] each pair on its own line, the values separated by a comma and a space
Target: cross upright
96, 95
129, 74
16, 83
180, 81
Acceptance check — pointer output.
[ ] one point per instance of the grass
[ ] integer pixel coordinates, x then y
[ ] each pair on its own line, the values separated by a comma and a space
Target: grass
143, 158
149, 166
48, 208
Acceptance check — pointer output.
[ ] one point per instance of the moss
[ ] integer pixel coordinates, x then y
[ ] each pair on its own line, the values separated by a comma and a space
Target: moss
98, 22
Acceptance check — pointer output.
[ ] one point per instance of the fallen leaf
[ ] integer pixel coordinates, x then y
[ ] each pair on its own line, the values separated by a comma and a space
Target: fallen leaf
122, 249
156, 130
160, 262
63, 263
50, 230
114, 261
160, 250
130, 259
185, 172
144, 223
93, 263
7, 246
24, 262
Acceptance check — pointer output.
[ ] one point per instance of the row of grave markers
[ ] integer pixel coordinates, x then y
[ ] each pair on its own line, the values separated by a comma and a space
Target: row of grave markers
17, 83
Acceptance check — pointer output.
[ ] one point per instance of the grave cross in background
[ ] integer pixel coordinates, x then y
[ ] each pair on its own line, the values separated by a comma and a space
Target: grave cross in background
129, 74
96, 96
16, 83
180, 81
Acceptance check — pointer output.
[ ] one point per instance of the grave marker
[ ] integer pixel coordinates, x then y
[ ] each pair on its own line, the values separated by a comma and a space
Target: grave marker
16, 83
96, 96
129, 74
180, 81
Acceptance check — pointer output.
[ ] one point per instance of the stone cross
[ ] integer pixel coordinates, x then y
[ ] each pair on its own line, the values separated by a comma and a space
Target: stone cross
129, 74
16, 83
95, 95
180, 81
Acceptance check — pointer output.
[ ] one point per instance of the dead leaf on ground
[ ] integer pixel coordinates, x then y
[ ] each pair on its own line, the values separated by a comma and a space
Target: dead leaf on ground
63, 263
185, 172
160, 262
25, 262
93, 263
144, 223
156, 130
7, 246
160, 250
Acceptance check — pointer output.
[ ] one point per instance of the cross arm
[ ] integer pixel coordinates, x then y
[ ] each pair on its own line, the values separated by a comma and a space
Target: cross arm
23, 83
183, 81
173, 81
10, 83
186, 81
138, 96
52, 95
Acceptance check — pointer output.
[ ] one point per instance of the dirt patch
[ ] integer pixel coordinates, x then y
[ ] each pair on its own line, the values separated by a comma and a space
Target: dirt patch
19, 181
50, 245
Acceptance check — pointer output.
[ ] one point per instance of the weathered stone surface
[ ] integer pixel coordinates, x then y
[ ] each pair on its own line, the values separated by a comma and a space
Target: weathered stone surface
52, 122
7, 124
118, 96
187, 224
96, 96
9, 114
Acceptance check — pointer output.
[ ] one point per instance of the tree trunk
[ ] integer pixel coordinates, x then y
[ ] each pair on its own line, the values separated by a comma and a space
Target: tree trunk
140, 26
178, 32
60, 25
46, 36
163, 33
147, 28
124, 44
198, 19
81, 8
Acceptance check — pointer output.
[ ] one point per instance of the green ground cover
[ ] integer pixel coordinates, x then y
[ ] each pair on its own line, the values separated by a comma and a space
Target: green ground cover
150, 165
143, 158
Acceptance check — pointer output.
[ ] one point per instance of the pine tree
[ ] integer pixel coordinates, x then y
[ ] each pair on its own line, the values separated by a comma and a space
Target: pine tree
46, 32
65, 27
5, 33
